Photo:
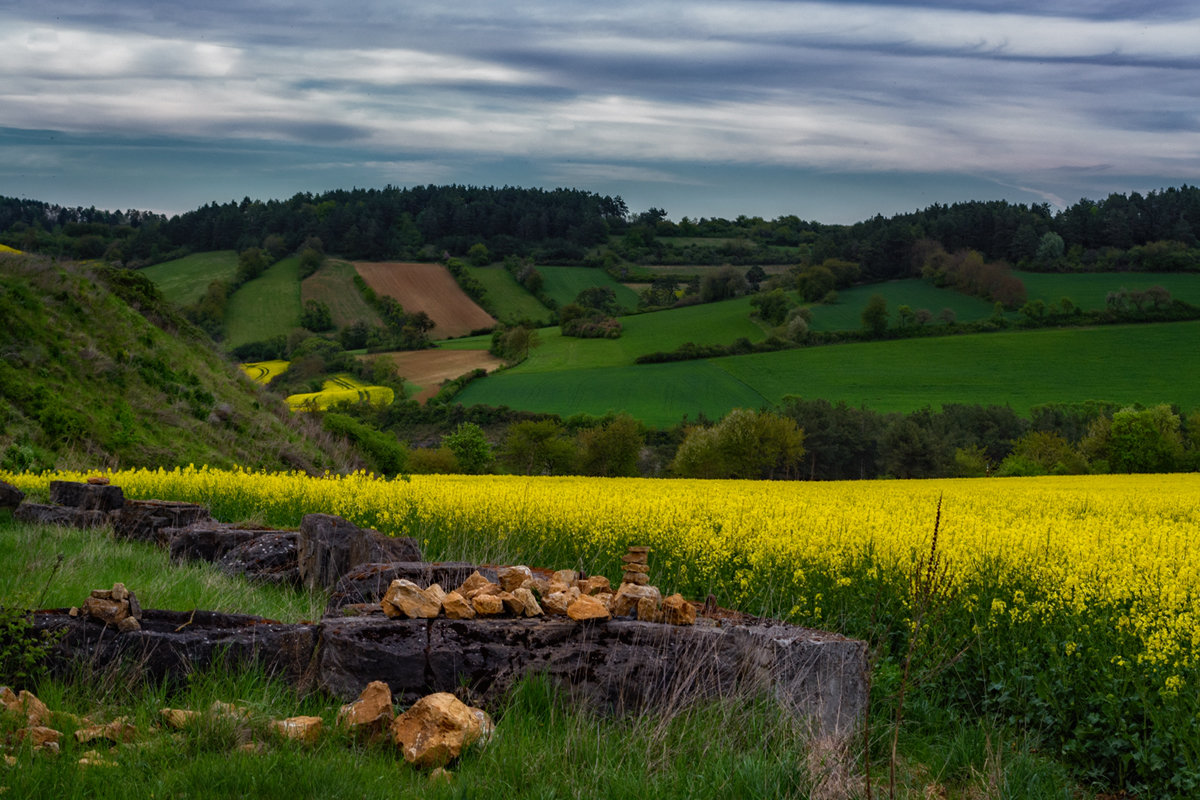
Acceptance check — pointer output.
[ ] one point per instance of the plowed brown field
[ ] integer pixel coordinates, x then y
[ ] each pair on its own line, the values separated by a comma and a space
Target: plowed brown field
428, 368
429, 288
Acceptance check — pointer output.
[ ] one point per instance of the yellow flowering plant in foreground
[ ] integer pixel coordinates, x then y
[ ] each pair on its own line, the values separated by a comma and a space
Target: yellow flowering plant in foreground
1076, 598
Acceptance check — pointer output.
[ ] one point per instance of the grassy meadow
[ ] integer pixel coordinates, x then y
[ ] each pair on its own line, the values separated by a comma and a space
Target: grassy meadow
565, 283
1088, 290
333, 285
846, 313
267, 306
185, 280
510, 301
1118, 363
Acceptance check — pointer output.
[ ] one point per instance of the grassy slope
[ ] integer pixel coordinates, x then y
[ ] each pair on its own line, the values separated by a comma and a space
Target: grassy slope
184, 280
89, 382
846, 314
333, 284
565, 283
267, 306
1126, 364
1088, 290
509, 300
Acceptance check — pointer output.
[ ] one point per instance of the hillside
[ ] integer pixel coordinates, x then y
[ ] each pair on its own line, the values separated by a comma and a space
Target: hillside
429, 288
96, 369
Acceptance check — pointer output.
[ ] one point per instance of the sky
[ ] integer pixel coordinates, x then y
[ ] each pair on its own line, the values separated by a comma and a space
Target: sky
830, 111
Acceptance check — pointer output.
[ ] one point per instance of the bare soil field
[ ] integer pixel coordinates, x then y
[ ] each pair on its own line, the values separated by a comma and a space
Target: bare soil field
429, 288
429, 368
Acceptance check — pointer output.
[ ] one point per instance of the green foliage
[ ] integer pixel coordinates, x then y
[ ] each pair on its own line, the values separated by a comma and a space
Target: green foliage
316, 316
612, 449
383, 450
472, 451
875, 315
724, 284
815, 282
772, 307
745, 444
538, 447
1144, 440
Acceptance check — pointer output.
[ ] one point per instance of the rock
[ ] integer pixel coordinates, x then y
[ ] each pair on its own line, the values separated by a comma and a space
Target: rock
39, 514
10, 761
457, 607
625, 601
178, 717
118, 592
487, 605
597, 584
44, 738
586, 607
371, 713
148, 520
230, 711
635, 578
98, 480
25, 704
270, 557
677, 611
305, 730
93, 759
110, 612
10, 496
437, 728
556, 603
529, 603
511, 604
128, 625
86, 497
367, 583
477, 584
406, 599
649, 609
567, 576
206, 542
511, 578
329, 547
119, 730
440, 775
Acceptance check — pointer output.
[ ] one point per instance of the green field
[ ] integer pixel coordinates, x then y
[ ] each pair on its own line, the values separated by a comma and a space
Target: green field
267, 306
1089, 290
1119, 363
509, 300
565, 283
846, 313
185, 280
333, 284
711, 323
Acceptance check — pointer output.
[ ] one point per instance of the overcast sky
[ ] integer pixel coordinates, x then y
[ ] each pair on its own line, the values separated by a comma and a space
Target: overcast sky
831, 111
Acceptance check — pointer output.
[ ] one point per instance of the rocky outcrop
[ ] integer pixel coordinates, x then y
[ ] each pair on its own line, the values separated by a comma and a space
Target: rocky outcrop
86, 496
269, 557
437, 728
10, 496
42, 514
329, 547
206, 542
147, 520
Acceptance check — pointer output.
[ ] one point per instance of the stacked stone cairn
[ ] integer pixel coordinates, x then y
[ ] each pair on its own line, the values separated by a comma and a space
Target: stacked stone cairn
520, 592
117, 606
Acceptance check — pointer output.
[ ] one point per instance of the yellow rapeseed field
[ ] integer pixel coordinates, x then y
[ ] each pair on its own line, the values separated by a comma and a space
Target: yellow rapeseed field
341, 389
263, 371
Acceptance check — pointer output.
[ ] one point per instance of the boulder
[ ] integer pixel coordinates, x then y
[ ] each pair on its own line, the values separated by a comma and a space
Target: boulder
529, 603
270, 557
512, 578
41, 514
677, 611
44, 738
26, 704
86, 496
329, 547
586, 607
597, 584
10, 496
367, 583
487, 604
179, 718
457, 607
437, 728
148, 520
371, 713
475, 584
625, 601
206, 542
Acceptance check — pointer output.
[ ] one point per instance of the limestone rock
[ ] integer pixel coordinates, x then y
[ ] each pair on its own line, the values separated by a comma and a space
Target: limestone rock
511, 604
625, 601
128, 625
597, 584
457, 607
436, 729
529, 603
586, 607
405, 599
368, 583
98, 480
477, 584
220, 708
636, 578
372, 712
108, 611
567, 576
25, 704
305, 730
119, 730
677, 611
511, 578
487, 605
93, 759
649, 610
44, 738
556, 603
118, 592
178, 717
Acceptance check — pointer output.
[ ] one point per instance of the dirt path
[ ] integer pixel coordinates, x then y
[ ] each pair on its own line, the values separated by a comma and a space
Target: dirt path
429, 288
429, 368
